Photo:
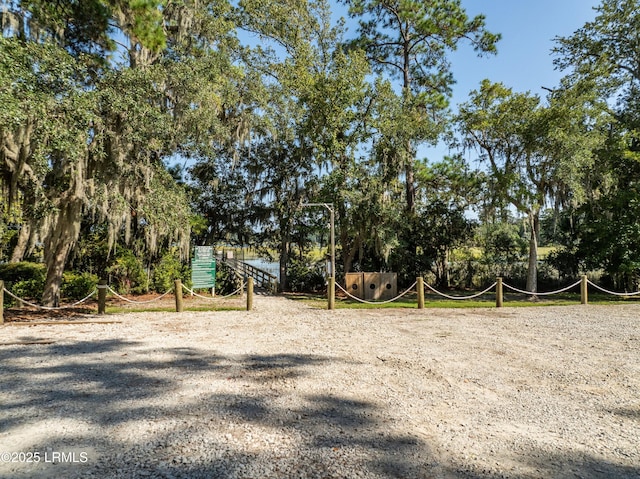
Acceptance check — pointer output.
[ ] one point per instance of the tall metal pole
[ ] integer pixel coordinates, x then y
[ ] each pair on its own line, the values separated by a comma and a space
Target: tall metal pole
332, 280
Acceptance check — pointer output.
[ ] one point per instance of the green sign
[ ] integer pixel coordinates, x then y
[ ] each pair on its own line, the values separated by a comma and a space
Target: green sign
203, 268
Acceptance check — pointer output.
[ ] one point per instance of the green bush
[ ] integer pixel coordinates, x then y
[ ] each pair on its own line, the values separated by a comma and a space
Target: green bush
227, 281
305, 277
127, 271
74, 286
77, 286
8, 240
28, 288
24, 279
14, 272
167, 271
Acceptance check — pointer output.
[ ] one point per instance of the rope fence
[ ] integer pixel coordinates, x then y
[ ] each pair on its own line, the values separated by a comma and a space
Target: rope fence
499, 286
376, 302
462, 297
115, 293
612, 292
549, 293
102, 289
49, 308
215, 298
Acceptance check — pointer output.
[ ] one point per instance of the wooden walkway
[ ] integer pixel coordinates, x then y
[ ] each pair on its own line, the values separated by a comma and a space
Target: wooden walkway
261, 278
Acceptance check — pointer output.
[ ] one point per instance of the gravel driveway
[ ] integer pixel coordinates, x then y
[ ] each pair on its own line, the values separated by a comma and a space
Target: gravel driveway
288, 391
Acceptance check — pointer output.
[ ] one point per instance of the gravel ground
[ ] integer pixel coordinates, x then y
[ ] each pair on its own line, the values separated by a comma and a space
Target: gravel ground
287, 391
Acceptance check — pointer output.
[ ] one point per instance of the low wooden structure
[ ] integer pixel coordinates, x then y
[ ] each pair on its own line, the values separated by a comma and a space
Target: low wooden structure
372, 286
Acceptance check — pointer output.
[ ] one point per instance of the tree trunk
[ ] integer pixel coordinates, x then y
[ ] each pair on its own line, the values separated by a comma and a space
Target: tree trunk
284, 259
348, 248
349, 255
55, 268
21, 246
447, 270
410, 180
532, 272
410, 191
62, 234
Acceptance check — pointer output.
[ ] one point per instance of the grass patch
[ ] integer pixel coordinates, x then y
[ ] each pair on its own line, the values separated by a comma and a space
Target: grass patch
512, 300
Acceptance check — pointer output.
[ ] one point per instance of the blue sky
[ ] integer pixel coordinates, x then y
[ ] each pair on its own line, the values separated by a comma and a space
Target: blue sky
528, 27
524, 61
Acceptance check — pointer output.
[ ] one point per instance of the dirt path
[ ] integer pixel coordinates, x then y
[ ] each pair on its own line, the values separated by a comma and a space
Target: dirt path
291, 391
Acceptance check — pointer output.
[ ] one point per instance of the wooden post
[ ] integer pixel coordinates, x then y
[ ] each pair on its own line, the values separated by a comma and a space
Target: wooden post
102, 296
499, 296
584, 290
1, 302
178, 294
331, 292
250, 294
420, 287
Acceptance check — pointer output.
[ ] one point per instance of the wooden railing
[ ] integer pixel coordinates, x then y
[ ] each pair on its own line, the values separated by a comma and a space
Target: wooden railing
260, 277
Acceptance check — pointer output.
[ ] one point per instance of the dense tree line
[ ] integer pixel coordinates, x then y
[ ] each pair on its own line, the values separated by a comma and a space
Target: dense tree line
269, 105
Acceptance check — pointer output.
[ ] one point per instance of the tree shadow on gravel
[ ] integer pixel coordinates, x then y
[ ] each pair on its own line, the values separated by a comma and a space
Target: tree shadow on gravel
210, 432
109, 384
332, 424
543, 464
629, 413
82, 384
72, 381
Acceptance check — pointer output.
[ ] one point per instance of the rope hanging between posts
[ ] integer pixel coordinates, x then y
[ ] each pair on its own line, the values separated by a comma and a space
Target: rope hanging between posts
241, 288
541, 294
461, 297
49, 308
612, 292
108, 288
375, 302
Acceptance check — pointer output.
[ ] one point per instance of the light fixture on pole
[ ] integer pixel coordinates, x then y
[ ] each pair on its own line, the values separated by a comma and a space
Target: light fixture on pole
331, 289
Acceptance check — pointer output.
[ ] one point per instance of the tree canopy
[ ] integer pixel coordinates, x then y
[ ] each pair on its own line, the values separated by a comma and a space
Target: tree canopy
130, 129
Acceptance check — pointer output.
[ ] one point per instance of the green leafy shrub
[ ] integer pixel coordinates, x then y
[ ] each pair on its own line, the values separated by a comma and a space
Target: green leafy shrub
227, 281
77, 286
127, 271
13, 272
24, 279
306, 277
168, 269
8, 241
28, 288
